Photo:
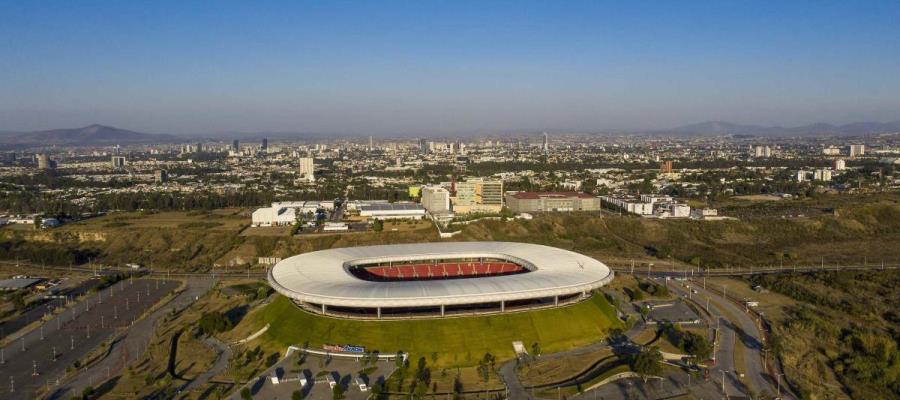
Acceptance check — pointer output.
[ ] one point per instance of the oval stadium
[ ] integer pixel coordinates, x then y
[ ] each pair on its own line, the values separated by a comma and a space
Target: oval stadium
432, 280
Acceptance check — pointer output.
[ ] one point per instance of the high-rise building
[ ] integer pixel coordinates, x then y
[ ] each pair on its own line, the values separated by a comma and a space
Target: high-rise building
44, 162
423, 146
822, 174
831, 151
435, 199
546, 146
857, 150
161, 176
308, 169
117, 162
665, 167
371, 143
763, 151
478, 195
264, 145
199, 147
839, 164
235, 145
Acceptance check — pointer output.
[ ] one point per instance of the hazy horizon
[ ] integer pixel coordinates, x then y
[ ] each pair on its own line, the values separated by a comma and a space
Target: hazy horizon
445, 68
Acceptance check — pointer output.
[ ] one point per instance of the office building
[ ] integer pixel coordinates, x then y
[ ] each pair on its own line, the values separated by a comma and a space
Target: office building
161, 176
665, 167
527, 202
822, 175
235, 146
857, 150
435, 199
763, 151
839, 164
44, 162
264, 146
478, 195
117, 162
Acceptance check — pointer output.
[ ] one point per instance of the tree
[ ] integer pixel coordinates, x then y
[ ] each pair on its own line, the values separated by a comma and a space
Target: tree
297, 395
213, 322
245, 394
378, 226
647, 362
88, 393
338, 392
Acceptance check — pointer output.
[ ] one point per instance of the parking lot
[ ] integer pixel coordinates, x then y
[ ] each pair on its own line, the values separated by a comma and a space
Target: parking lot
316, 371
38, 360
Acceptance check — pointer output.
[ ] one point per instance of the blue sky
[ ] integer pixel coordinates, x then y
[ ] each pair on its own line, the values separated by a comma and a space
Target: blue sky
421, 67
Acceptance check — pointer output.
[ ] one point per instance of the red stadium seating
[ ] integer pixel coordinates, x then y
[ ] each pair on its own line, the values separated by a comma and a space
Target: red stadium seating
437, 271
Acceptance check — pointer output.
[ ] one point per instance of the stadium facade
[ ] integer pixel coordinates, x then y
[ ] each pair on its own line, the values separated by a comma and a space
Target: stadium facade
429, 280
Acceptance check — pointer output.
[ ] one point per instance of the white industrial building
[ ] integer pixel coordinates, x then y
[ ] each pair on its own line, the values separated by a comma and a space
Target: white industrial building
286, 212
384, 211
435, 199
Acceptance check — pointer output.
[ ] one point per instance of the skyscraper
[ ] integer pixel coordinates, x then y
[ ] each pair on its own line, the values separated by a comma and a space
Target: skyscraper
423, 146
117, 162
44, 162
546, 147
235, 145
307, 169
265, 144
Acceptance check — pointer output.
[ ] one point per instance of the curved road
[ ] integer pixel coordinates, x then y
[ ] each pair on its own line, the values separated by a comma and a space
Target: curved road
131, 343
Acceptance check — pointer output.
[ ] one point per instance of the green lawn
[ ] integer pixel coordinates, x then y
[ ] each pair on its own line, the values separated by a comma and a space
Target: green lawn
457, 341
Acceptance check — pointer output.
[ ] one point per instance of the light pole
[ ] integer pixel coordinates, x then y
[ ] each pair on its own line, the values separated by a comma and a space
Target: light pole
723, 384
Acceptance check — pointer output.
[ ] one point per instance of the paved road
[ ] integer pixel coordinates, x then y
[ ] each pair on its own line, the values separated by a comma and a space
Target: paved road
744, 328
223, 355
132, 342
71, 335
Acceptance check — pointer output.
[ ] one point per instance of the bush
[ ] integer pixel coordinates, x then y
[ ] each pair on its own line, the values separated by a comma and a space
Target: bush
214, 322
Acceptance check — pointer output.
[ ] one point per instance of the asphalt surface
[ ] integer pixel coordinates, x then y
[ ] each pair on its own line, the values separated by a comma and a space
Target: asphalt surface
742, 328
342, 370
13, 325
223, 355
131, 343
74, 333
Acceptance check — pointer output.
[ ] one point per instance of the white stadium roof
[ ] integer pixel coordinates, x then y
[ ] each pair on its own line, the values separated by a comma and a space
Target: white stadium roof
322, 277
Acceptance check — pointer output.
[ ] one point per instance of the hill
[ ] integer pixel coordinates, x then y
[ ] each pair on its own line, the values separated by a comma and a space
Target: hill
93, 135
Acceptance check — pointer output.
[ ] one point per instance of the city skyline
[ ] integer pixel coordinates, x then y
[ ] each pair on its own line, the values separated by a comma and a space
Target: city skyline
435, 69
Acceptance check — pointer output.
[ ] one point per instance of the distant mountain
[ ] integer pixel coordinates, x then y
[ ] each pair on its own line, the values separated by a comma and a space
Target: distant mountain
719, 128
817, 129
94, 135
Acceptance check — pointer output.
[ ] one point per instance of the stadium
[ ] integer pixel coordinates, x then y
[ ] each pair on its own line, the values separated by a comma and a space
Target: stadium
433, 280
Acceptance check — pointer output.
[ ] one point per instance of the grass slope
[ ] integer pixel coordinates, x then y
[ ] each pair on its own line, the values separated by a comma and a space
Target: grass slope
457, 341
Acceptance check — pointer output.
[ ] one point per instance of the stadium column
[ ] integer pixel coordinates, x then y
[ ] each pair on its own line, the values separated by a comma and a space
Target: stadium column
324, 309
502, 305
378, 311
442, 310
556, 301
